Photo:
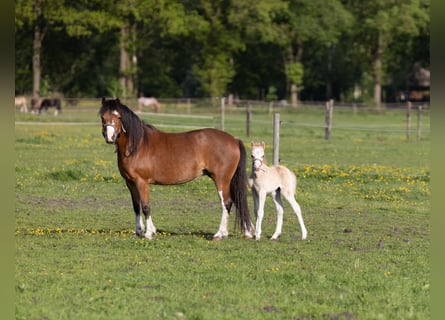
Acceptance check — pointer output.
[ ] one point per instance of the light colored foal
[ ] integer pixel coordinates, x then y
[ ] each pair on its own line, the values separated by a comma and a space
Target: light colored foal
275, 180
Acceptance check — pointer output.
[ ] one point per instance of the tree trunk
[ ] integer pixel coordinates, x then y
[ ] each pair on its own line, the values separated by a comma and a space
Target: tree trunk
36, 70
36, 49
377, 70
292, 86
124, 61
128, 61
291, 58
329, 73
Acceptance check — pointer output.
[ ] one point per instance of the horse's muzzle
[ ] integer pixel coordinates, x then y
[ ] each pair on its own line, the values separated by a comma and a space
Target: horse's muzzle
257, 163
110, 134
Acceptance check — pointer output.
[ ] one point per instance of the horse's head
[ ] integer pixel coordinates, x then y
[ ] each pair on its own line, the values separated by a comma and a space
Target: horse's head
257, 154
110, 114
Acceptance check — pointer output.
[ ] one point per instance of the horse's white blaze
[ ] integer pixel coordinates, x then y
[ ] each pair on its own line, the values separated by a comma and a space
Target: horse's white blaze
223, 231
257, 156
110, 132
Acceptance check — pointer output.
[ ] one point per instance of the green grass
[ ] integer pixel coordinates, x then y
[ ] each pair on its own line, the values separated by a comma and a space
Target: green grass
364, 197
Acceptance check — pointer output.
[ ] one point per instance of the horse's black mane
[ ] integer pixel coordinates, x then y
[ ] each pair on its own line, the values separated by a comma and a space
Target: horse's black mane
132, 124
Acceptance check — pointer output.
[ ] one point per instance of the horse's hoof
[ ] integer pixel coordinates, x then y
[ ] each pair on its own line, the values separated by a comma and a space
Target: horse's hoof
218, 238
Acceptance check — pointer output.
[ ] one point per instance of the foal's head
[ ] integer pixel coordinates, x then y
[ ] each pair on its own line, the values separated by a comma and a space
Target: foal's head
257, 154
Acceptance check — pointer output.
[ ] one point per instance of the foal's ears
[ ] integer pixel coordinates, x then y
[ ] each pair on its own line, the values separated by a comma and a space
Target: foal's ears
262, 143
103, 100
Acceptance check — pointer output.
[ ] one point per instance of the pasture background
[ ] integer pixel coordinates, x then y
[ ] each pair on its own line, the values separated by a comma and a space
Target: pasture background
364, 197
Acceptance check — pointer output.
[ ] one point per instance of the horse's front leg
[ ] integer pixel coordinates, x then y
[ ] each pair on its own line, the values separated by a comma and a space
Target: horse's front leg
136, 201
259, 213
279, 207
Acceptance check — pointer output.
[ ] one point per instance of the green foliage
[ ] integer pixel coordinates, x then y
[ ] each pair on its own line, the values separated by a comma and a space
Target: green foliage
199, 48
271, 94
215, 73
295, 72
364, 197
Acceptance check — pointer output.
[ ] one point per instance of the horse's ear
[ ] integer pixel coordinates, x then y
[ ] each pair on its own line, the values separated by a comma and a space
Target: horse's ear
103, 100
252, 143
263, 144
117, 101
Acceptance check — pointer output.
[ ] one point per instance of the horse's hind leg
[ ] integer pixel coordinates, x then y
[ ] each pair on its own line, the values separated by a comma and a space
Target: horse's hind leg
280, 211
223, 231
296, 207
150, 229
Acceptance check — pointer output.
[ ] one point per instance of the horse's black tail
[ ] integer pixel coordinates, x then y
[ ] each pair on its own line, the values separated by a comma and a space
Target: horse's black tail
238, 192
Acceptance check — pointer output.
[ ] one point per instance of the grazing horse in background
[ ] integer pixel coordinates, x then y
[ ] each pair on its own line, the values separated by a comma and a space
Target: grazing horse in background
148, 102
20, 101
46, 103
275, 180
146, 155
35, 104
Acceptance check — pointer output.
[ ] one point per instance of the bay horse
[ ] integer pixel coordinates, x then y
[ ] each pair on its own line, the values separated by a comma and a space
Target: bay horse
276, 180
146, 155
149, 102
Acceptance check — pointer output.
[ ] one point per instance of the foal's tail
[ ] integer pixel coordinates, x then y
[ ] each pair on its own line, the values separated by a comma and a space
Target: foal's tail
238, 192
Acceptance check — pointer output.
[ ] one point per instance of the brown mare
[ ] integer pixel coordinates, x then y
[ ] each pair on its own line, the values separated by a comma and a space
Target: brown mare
146, 155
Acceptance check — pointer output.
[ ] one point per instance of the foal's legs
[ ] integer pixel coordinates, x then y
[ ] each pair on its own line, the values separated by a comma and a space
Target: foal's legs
296, 207
280, 209
259, 213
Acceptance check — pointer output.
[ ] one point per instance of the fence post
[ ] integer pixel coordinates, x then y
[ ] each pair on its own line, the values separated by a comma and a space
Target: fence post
276, 138
408, 121
223, 99
419, 113
328, 118
248, 115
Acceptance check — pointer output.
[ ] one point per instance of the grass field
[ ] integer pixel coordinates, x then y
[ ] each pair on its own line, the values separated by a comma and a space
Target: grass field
364, 196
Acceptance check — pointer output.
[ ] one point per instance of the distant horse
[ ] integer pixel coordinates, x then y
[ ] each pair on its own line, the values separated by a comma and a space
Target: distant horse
46, 103
146, 155
148, 102
35, 104
20, 101
275, 180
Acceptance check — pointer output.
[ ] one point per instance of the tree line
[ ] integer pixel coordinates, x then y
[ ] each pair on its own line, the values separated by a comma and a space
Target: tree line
254, 49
